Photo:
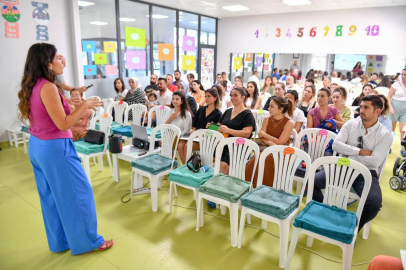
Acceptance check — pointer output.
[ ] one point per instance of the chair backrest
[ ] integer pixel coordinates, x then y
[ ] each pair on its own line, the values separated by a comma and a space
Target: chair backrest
92, 116
120, 108
259, 116
340, 175
106, 104
105, 121
356, 90
383, 90
170, 135
286, 160
264, 97
208, 141
318, 140
293, 135
138, 111
162, 114
239, 151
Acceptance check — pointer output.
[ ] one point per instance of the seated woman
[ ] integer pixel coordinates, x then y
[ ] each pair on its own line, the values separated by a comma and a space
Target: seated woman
253, 100
365, 91
209, 113
339, 100
135, 95
298, 116
276, 130
324, 112
238, 82
269, 85
307, 100
180, 113
182, 87
80, 128
235, 122
280, 91
225, 101
198, 92
120, 90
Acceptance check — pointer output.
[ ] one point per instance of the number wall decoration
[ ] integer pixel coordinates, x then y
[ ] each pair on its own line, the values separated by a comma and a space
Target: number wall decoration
41, 17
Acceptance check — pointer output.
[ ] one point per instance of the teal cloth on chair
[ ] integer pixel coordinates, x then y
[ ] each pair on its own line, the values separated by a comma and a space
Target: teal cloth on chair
154, 164
25, 129
329, 221
127, 132
88, 148
113, 126
149, 132
272, 202
184, 176
225, 187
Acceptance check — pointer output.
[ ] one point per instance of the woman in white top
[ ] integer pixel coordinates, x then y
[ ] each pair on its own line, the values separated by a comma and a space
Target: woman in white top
253, 101
120, 89
397, 106
225, 100
181, 116
298, 116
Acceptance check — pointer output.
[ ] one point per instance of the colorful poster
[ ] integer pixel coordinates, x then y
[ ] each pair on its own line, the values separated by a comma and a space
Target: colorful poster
134, 37
266, 56
266, 66
41, 18
89, 70
100, 59
165, 52
88, 46
237, 62
370, 70
370, 65
189, 44
135, 60
258, 61
109, 47
11, 14
111, 70
248, 57
188, 62
379, 58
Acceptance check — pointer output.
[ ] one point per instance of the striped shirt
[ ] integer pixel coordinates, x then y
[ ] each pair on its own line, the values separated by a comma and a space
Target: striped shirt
376, 139
136, 96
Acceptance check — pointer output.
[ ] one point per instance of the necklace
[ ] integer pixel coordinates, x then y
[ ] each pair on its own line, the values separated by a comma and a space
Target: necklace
275, 124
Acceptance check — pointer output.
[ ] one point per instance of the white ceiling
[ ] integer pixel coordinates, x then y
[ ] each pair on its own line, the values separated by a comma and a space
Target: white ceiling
214, 8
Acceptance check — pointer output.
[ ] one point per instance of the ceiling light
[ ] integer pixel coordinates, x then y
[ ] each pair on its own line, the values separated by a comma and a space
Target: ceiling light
159, 16
98, 23
127, 20
85, 3
235, 8
296, 2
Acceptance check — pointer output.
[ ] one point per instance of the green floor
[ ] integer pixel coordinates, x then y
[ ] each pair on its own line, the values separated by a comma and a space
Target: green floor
147, 240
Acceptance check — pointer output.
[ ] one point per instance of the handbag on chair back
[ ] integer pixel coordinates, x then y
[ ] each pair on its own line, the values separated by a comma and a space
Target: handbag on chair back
196, 162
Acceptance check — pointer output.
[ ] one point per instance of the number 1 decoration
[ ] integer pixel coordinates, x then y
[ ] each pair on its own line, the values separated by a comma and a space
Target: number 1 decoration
11, 14
41, 17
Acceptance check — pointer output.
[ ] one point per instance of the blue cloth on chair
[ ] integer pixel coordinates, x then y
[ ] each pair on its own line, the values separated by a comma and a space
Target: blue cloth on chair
154, 163
272, 202
88, 148
225, 187
329, 221
184, 176
25, 129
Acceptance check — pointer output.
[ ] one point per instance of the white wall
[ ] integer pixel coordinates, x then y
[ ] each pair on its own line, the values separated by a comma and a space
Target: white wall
13, 54
237, 34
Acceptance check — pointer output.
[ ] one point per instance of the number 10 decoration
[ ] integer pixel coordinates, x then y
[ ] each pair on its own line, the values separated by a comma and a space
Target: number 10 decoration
41, 17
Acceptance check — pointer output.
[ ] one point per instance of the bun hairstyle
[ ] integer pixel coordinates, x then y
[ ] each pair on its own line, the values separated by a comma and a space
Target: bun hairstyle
342, 91
242, 92
214, 91
324, 89
284, 103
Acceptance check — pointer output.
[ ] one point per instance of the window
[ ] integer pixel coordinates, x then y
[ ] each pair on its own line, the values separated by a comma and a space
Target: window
188, 26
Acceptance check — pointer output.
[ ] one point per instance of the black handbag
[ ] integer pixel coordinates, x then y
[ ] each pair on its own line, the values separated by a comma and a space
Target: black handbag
196, 162
94, 136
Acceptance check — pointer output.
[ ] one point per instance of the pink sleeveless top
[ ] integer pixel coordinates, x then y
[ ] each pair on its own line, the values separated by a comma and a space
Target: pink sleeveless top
42, 125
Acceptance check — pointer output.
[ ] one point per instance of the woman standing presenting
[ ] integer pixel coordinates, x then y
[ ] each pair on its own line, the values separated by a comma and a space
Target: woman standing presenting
65, 193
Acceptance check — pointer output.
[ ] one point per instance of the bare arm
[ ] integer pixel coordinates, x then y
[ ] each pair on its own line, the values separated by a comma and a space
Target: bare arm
390, 95
258, 105
309, 121
287, 130
339, 120
298, 126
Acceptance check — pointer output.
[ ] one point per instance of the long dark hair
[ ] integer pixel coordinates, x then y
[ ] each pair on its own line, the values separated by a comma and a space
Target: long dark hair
385, 104
122, 84
216, 92
185, 104
39, 56
356, 65
256, 94
199, 83
385, 82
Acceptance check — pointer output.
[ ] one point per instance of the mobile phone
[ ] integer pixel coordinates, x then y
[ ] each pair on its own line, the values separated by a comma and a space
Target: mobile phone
87, 87
213, 127
141, 153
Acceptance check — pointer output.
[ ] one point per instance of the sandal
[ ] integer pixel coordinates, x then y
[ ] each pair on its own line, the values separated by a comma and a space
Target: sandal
107, 244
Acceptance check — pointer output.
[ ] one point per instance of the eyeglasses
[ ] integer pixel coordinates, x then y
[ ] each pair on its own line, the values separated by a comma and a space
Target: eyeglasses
361, 142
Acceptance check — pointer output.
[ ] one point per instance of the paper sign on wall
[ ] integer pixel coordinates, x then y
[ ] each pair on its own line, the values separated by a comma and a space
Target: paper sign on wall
248, 57
379, 58
266, 56
258, 61
135, 60
370, 70
88, 46
189, 43
165, 52
111, 70
266, 66
100, 58
237, 62
188, 62
109, 47
11, 14
134, 37
90, 70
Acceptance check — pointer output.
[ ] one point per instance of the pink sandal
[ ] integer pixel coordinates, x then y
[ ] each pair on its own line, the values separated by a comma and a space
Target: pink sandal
106, 244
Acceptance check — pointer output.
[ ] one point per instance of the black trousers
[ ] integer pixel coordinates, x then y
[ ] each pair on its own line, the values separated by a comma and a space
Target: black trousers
373, 202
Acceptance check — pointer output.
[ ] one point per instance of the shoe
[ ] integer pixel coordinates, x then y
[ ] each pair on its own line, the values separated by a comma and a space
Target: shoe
106, 245
403, 153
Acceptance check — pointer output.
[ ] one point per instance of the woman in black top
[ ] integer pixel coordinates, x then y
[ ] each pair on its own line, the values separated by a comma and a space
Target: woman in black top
235, 122
206, 114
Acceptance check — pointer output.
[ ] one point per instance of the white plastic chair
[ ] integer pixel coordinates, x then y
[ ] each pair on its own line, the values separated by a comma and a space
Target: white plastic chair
105, 122
383, 90
318, 140
285, 167
239, 154
170, 134
106, 103
15, 136
207, 147
162, 114
336, 194
293, 136
356, 90
259, 120
138, 111
264, 97
119, 111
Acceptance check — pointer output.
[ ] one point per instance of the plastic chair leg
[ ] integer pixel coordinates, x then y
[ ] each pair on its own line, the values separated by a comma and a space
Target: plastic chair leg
100, 160
309, 241
10, 141
154, 193
249, 219
242, 225
293, 243
175, 189
365, 233
109, 161
299, 187
347, 256
133, 175
283, 244
171, 186
94, 161
86, 166
264, 224
223, 209
234, 224
199, 213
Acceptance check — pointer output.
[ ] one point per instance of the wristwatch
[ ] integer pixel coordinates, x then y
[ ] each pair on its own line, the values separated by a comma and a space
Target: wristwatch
41, 17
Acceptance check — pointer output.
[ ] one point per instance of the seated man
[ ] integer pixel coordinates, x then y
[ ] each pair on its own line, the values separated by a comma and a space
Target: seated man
364, 140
